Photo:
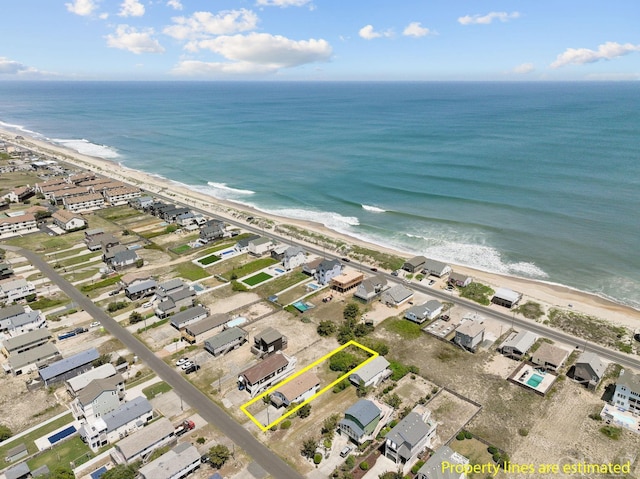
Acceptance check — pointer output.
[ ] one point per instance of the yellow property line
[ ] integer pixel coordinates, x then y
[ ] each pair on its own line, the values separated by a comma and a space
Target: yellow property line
244, 407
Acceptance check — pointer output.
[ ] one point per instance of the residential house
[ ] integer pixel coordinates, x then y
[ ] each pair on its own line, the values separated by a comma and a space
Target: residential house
242, 246
16, 290
59, 196
142, 443
68, 367
268, 341
31, 360
80, 177
410, 437
81, 381
86, 202
167, 287
506, 297
360, 421
266, 373
517, 344
17, 225
469, 334
99, 241
296, 390
43, 186
372, 373
5, 271
460, 280
627, 393
175, 301
189, 316
94, 182
122, 259
294, 256
141, 202
178, 462
171, 214
16, 453
18, 195
140, 289
91, 235
421, 312
20, 471
549, 357
99, 397
186, 219
414, 264
347, 281
122, 195
103, 188
436, 268
226, 340
278, 250
432, 469
195, 333
327, 270
396, 296
311, 267
23, 323
68, 220
126, 419
588, 370
25, 342
260, 246
370, 288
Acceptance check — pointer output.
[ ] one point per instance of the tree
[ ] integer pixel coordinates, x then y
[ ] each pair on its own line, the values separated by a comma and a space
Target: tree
351, 312
326, 328
266, 398
393, 400
102, 359
330, 424
218, 455
135, 317
121, 471
362, 390
139, 263
309, 447
5, 432
304, 411
62, 472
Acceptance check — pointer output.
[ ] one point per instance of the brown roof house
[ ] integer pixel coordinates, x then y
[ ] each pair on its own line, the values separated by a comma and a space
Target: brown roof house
268, 372
549, 357
297, 390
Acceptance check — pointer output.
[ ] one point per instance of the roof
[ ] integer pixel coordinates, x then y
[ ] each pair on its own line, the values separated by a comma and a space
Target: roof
82, 380
433, 265
14, 451
594, 361
122, 190
172, 284
26, 338
25, 318
293, 251
348, 277
551, 354
17, 219
370, 284
69, 364
329, 264
268, 335
470, 328
364, 411
40, 353
260, 241
16, 472
507, 294
416, 261
225, 337
65, 216
94, 232
410, 430
432, 305
41, 471
188, 315
629, 380
83, 198
171, 463
144, 438
14, 284
298, 385
433, 467
181, 294
244, 242
207, 324
127, 412
142, 286
458, 277
10, 311
399, 293
265, 367
521, 341
370, 370
123, 256
96, 387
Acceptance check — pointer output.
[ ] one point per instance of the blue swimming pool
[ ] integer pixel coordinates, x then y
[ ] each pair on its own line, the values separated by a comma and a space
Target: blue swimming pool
278, 270
237, 321
226, 252
197, 287
60, 435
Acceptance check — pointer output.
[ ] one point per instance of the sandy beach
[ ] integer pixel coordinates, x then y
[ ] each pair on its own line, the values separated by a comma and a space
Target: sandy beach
549, 295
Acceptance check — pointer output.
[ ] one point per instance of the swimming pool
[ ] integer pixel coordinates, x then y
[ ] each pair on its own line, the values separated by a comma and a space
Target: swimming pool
534, 380
226, 252
237, 321
197, 287
278, 270
300, 306
313, 286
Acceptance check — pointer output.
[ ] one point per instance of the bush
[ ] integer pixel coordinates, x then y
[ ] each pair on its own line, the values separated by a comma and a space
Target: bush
468, 435
286, 424
201, 440
326, 328
523, 432
364, 465
115, 306
350, 462
416, 467
135, 317
611, 432
30, 297
341, 386
237, 286
492, 450
5, 432
460, 436
317, 458
304, 411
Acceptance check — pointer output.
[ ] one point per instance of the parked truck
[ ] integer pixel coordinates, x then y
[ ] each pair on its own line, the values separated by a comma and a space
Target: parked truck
184, 426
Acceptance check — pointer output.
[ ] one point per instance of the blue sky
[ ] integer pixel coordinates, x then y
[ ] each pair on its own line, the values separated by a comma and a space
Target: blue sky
320, 40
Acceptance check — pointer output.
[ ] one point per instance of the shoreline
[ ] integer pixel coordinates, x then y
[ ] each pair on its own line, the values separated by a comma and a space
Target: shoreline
547, 293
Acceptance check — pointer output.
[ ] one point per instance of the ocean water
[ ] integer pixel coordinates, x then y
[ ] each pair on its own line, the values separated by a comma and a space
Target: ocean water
539, 180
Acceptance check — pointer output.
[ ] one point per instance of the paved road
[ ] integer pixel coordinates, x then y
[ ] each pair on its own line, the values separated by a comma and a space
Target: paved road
211, 412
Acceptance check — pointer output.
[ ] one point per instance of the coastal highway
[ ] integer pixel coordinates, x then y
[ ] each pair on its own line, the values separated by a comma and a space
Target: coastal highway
209, 411
625, 360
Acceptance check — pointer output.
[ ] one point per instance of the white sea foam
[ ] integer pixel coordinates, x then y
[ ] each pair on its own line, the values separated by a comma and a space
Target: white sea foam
222, 191
85, 147
331, 220
227, 190
373, 209
11, 126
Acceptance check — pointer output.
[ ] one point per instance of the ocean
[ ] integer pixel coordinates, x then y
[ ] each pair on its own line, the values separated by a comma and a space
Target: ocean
539, 180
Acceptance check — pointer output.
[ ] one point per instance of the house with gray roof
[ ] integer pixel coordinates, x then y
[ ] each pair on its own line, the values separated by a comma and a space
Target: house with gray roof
627, 393
175, 301
436, 268
69, 367
26, 341
5, 270
414, 264
328, 269
178, 462
460, 280
212, 232
142, 443
469, 334
588, 370
140, 289
396, 296
506, 297
432, 469
517, 344
25, 322
410, 437
294, 256
225, 341
260, 246
549, 357
9, 312
16, 290
360, 421
268, 341
21, 471
421, 312
266, 373
167, 287
17, 452
31, 360
197, 332
99, 397
242, 246
81, 381
122, 259
372, 373
370, 288
189, 316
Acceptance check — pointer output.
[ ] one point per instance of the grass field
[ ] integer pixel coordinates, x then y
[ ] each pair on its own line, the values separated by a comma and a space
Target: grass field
71, 451
258, 278
249, 268
156, 389
207, 260
190, 271
281, 283
405, 328
181, 249
29, 438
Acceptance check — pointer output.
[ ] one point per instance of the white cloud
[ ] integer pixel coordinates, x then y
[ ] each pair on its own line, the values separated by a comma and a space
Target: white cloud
131, 8
103, 16
605, 51
82, 7
198, 68
368, 33
415, 29
201, 24
524, 68
11, 67
283, 3
488, 18
175, 4
133, 40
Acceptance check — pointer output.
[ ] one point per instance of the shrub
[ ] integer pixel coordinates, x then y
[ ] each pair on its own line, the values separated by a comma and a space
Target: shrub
327, 443
595, 416
341, 386
523, 431
416, 467
326, 328
460, 436
468, 435
237, 286
492, 450
286, 424
611, 432
364, 465
317, 458
350, 462
201, 440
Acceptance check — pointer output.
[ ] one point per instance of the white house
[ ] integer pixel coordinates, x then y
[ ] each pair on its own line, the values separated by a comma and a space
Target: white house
297, 390
98, 398
396, 296
370, 288
460, 280
88, 202
176, 463
433, 468
68, 221
506, 297
420, 313
294, 256
16, 290
25, 322
142, 443
627, 393
372, 373
17, 225
327, 270
122, 195
469, 334
410, 437
260, 246
436, 268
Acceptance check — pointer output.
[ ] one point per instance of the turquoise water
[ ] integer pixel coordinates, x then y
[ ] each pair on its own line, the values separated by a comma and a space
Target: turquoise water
534, 380
531, 179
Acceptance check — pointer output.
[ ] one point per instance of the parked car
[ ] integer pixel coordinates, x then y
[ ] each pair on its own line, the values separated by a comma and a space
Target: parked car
114, 292
444, 317
147, 305
374, 269
187, 365
95, 324
181, 361
345, 451
192, 369
346, 260
395, 273
432, 282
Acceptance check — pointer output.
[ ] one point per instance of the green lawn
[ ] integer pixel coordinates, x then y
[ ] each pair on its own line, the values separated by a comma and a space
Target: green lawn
281, 283
249, 268
156, 389
45, 303
72, 450
181, 249
33, 435
405, 328
212, 258
79, 275
190, 271
76, 259
258, 278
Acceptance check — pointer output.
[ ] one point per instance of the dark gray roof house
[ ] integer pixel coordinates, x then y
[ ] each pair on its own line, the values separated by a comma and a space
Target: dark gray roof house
226, 340
21, 471
408, 438
127, 412
589, 369
432, 469
69, 367
140, 289
414, 264
188, 316
124, 258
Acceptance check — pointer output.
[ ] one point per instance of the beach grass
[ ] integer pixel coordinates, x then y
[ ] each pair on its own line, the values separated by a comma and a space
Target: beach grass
379, 258
403, 327
590, 328
257, 279
530, 310
190, 271
477, 292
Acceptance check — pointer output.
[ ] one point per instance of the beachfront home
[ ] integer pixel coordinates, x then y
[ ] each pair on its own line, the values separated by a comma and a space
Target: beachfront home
179, 462
506, 297
16, 290
627, 393
17, 225
140, 288
310, 267
347, 281
25, 342
432, 469
469, 334
588, 370
266, 373
396, 296
549, 357
414, 264
410, 437
189, 316
142, 443
31, 360
372, 373
68, 367
293, 257
260, 246
421, 312
141, 202
360, 421
268, 341
327, 270
370, 288
58, 196
42, 186
226, 340
68, 220
212, 231
242, 246
86, 202
78, 178
460, 280
122, 195
297, 390
436, 268
517, 344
